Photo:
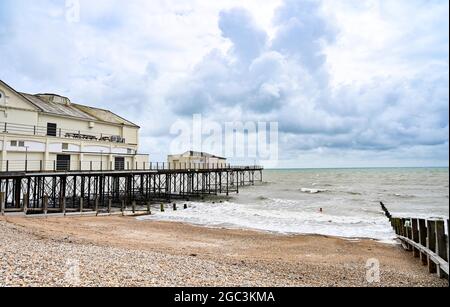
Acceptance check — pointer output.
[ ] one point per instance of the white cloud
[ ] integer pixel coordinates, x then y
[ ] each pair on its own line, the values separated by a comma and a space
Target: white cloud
351, 78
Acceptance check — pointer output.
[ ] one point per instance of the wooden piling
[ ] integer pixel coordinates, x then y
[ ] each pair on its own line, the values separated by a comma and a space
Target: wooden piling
423, 239
45, 204
25, 203
149, 210
2, 203
109, 205
133, 205
427, 239
174, 207
431, 244
415, 236
407, 231
81, 204
96, 201
63, 205
397, 226
162, 208
441, 245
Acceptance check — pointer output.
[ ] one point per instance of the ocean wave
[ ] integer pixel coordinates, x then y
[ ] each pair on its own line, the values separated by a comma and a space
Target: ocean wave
402, 195
322, 184
322, 190
353, 193
312, 191
284, 218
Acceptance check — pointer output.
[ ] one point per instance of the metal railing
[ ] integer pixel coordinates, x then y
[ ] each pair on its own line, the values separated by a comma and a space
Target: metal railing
11, 166
59, 132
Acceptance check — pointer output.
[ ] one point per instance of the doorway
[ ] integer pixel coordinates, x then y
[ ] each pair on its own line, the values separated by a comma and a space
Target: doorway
63, 163
119, 163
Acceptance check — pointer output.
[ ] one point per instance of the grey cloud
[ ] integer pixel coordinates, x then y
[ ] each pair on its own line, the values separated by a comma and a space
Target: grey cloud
248, 40
302, 30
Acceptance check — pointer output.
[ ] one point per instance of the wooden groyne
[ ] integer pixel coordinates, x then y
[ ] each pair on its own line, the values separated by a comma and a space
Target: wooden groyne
103, 191
427, 239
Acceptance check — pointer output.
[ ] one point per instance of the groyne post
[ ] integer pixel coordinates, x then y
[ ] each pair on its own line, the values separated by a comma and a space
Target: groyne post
441, 244
423, 239
415, 236
431, 244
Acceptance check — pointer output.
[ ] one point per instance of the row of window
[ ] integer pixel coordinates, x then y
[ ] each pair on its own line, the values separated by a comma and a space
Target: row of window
65, 146
17, 143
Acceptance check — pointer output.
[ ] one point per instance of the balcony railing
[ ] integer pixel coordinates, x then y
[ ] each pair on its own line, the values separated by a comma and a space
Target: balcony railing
59, 132
12, 166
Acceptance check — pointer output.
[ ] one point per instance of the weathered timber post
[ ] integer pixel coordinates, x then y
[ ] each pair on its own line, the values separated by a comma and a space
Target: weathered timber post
441, 244
122, 208
423, 239
133, 204
162, 208
63, 205
2, 203
81, 204
96, 205
406, 231
174, 207
109, 205
448, 234
25, 203
45, 204
431, 245
415, 236
228, 187
149, 210
185, 206
394, 225
399, 227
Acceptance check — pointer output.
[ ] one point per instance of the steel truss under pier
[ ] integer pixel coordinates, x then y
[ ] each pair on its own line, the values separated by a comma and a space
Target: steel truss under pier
98, 191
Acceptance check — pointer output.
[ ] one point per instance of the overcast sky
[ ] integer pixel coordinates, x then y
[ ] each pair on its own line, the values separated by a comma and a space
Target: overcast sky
351, 83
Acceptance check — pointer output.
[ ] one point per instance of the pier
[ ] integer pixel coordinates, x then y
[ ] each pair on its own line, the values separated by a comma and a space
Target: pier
41, 192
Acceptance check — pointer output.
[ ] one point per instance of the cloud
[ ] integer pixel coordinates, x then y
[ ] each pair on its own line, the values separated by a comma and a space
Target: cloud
248, 40
289, 80
343, 78
302, 31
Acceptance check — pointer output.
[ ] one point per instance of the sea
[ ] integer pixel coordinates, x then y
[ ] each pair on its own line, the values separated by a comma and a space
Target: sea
333, 202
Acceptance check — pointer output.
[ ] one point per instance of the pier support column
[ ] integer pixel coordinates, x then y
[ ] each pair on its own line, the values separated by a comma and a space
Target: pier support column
2, 203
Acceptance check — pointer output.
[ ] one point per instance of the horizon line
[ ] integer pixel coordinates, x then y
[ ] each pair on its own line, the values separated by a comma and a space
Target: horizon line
356, 167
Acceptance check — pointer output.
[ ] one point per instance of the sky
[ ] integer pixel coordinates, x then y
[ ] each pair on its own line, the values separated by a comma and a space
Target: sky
350, 83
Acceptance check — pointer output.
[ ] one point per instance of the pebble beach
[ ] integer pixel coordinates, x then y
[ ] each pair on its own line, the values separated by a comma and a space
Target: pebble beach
124, 252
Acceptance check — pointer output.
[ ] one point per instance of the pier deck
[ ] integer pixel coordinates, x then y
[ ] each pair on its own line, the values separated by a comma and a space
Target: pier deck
61, 192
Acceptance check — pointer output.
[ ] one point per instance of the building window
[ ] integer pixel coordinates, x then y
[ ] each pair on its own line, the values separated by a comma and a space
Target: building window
130, 151
119, 163
63, 163
65, 146
51, 129
21, 144
13, 143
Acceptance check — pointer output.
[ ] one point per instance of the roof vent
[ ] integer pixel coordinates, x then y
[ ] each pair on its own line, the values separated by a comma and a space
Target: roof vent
55, 98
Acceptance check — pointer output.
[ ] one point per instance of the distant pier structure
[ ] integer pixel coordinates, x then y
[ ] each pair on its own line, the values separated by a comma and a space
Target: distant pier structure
80, 191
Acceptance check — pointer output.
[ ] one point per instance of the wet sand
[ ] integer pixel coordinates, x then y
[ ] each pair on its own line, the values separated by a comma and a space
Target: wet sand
122, 251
